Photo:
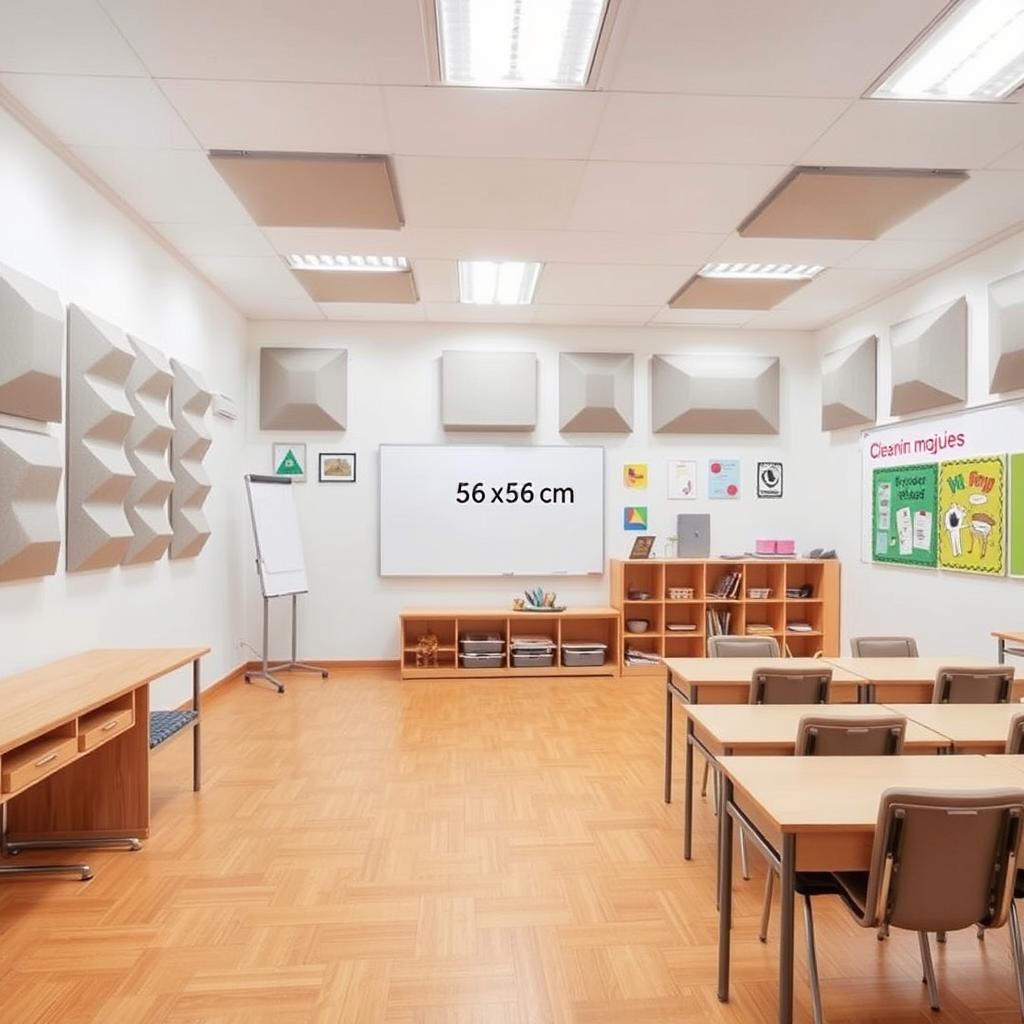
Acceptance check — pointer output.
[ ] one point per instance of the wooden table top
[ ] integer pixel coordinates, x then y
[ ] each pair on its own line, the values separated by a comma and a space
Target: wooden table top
964, 724
1017, 638
702, 671
746, 728
35, 701
904, 670
841, 794
583, 611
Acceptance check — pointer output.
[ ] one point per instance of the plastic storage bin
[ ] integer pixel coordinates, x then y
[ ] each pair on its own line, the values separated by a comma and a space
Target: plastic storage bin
579, 655
482, 643
489, 660
533, 659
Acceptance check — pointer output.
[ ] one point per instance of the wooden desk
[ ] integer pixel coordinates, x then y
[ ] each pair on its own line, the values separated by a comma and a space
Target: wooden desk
1017, 639
92, 711
971, 728
907, 680
819, 814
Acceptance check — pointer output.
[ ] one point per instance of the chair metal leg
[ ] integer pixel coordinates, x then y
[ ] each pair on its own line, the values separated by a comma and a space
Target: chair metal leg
883, 931
1017, 949
940, 937
704, 783
100, 843
981, 933
744, 866
766, 909
929, 970
812, 962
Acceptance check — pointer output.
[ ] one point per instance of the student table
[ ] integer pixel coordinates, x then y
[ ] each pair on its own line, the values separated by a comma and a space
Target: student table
970, 728
1017, 639
907, 680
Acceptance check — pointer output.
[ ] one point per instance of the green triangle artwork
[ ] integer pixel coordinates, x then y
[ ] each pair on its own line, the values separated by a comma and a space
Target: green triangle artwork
290, 461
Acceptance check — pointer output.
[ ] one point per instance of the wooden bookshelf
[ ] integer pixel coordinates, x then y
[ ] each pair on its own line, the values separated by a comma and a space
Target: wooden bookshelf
657, 576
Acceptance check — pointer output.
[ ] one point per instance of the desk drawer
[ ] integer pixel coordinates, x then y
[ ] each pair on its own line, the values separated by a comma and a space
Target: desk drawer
34, 761
95, 728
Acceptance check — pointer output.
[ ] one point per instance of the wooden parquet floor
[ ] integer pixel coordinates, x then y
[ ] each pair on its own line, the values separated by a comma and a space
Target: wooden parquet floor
484, 852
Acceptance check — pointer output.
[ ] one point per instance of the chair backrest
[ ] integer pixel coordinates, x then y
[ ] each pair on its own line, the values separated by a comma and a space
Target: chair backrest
883, 647
867, 735
944, 860
973, 685
743, 647
790, 685
1015, 737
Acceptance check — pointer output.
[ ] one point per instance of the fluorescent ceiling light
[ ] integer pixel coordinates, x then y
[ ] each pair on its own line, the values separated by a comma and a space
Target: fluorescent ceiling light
518, 43
976, 52
365, 264
761, 271
485, 283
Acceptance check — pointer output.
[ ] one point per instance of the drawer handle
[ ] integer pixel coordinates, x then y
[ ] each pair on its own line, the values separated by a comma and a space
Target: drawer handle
46, 760
112, 724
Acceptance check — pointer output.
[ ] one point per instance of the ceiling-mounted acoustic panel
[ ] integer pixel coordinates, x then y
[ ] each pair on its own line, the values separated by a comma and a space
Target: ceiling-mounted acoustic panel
714, 394
845, 202
190, 400
1006, 334
357, 286
488, 390
148, 445
99, 418
733, 293
848, 388
31, 348
303, 388
30, 471
312, 190
929, 359
595, 392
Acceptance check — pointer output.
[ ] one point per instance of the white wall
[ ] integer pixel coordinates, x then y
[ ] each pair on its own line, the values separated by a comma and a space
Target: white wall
55, 227
394, 397
949, 613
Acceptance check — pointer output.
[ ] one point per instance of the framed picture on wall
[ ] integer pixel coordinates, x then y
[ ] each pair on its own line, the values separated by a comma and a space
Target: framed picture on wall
290, 461
337, 467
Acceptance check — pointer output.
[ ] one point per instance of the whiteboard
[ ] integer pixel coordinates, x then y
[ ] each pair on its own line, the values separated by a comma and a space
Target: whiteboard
521, 511
275, 524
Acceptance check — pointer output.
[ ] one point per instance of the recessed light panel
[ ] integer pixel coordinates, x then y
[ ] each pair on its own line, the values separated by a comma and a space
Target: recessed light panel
486, 283
358, 264
526, 44
761, 271
976, 52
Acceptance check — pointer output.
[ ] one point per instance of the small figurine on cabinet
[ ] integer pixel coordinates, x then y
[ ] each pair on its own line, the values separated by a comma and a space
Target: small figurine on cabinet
426, 650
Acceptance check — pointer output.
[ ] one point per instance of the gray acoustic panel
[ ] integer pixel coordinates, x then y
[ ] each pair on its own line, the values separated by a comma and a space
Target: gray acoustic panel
303, 388
190, 400
31, 347
488, 390
148, 445
30, 471
99, 418
929, 359
595, 392
715, 395
848, 387
1006, 334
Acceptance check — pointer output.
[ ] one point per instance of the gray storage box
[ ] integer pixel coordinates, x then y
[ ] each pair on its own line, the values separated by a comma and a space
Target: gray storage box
532, 660
482, 643
491, 660
582, 657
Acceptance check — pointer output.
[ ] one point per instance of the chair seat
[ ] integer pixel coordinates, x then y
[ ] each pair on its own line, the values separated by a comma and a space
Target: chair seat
165, 724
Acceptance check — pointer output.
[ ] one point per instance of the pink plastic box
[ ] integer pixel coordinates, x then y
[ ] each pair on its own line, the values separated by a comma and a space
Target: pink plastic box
765, 547
785, 547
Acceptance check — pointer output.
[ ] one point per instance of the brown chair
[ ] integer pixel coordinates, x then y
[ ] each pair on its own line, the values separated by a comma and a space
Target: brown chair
743, 647
941, 861
883, 647
1015, 737
973, 685
790, 685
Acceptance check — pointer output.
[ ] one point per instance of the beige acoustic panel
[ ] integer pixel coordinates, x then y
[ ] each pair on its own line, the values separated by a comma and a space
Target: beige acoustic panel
1006, 334
732, 293
714, 394
30, 472
595, 392
848, 385
312, 190
488, 390
31, 348
99, 418
190, 400
929, 359
357, 286
845, 202
303, 388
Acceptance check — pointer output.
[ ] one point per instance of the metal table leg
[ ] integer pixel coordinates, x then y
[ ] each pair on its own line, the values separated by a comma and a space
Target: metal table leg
725, 890
668, 740
688, 794
1001, 650
787, 892
197, 762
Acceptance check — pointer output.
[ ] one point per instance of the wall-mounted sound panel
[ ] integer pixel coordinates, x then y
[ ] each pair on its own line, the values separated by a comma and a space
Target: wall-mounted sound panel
929, 359
736, 394
1006, 334
303, 388
31, 348
99, 418
488, 390
148, 445
190, 400
848, 385
30, 472
595, 392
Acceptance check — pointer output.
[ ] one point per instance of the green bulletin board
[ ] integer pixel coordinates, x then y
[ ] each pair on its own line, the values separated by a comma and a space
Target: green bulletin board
1015, 519
903, 504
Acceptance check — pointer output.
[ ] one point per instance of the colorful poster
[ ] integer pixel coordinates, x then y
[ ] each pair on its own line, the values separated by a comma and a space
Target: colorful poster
903, 523
682, 480
634, 517
971, 517
634, 475
290, 460
1015, 514
724, 478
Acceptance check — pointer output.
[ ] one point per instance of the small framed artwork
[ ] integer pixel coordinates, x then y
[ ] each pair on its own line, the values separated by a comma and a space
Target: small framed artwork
634, 517
724, 478
337, 467
634, 475
290, 460
642, 547
769, 479
682, 480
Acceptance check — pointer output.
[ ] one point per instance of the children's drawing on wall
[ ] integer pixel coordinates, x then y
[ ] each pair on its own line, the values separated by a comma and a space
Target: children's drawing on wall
971, 504
634, 517
903, 515
634, 475
682, 480
1015, 514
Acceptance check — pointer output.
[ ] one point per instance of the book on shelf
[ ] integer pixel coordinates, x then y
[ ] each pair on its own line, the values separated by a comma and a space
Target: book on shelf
759, 629
718, 622
728, 585
635, 656
799, 627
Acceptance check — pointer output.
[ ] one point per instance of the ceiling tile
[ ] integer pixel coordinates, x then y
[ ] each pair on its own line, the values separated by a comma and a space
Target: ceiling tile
596, 284
902, 255
546, 124
282, 116
635, 315
783, 320
458, 312
711, 129
251, 279
702, 317
373, 311
837, 290
261, 308
437, 280
825, 252
217, 239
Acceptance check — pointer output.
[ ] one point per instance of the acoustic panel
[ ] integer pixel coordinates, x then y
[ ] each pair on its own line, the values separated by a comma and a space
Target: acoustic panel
30, 472
1006, 334
595, 392
31, 347
929, 359
148, 446
848, 388
714, 395
357, 286
99, 418
303, 388
190, 400
733, 293
488, 390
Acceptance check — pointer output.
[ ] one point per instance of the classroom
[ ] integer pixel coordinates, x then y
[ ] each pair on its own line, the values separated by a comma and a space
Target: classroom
511, 511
